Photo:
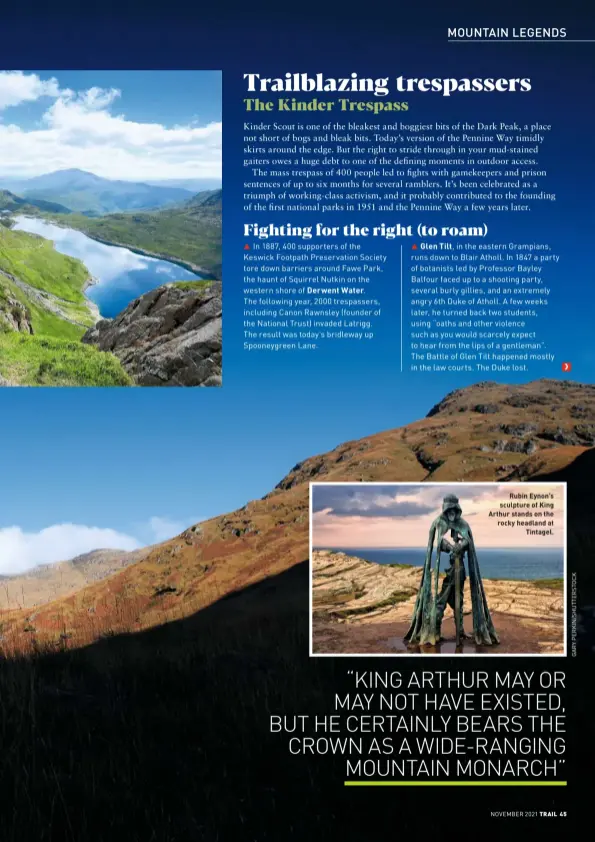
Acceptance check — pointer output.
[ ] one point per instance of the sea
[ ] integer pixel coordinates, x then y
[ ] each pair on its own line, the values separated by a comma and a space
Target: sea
521, 563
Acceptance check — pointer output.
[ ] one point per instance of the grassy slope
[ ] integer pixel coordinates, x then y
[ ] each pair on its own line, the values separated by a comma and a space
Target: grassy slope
45, 322
192, 285
53, 355
36, 262
46, 361
191, 232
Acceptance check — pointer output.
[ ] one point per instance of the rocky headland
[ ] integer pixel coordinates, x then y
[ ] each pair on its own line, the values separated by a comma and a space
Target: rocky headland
362, 606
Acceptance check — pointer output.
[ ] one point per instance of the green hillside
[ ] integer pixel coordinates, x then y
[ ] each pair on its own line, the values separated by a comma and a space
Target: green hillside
11, 202
35, 261
59, 322
43, 361
190, 232
43, 315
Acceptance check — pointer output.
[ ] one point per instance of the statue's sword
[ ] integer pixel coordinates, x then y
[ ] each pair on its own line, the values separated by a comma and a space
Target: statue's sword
434, 600
457, 592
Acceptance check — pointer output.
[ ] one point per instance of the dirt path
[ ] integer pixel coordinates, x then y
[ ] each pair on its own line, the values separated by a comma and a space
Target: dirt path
50, 302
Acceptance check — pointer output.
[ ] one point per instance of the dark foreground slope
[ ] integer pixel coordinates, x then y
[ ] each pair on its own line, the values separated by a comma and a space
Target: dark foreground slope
163, 734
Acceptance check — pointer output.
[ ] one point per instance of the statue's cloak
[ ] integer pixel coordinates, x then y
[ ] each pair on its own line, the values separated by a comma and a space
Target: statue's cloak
424, 627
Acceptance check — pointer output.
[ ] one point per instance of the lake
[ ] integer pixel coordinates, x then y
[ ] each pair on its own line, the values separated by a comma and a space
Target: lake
121, 275
522, 563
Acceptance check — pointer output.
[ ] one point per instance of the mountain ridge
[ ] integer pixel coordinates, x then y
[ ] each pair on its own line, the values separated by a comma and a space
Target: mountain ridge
9, 201
28, 589
267, 536
84, 192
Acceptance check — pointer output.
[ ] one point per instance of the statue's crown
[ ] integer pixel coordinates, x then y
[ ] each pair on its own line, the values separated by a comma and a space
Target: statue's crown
451, 501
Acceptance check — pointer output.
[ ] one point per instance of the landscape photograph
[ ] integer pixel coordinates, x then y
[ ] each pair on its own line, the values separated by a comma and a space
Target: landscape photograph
110, 228
375, 547
154, 599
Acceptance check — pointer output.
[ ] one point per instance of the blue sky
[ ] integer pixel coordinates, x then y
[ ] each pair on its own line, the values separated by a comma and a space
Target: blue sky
118, 459
118, 124
128, 467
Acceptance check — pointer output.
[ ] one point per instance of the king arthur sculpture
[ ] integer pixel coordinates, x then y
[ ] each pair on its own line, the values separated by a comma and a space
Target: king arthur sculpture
430, 605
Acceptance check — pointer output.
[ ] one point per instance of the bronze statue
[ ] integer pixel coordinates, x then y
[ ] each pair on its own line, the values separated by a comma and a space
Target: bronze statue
429, 605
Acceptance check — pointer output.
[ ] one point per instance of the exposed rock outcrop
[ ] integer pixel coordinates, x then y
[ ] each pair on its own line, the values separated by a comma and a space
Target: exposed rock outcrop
372, 600
14, 315
351, 588
170, 336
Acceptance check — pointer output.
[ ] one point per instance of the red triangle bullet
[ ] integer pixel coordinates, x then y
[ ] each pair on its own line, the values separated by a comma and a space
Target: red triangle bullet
246, 247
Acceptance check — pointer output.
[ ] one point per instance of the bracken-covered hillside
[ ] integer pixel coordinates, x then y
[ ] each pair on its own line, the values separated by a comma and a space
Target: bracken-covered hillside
542, 430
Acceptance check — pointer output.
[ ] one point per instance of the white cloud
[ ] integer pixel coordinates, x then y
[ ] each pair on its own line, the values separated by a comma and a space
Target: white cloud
78, 130
96, 98
20, 551
17, 87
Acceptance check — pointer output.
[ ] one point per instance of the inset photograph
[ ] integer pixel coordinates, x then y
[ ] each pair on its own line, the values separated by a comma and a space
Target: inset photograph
110, 228
437, 569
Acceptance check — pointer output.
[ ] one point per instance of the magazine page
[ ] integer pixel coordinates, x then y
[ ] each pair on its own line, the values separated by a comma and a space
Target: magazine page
298, 412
